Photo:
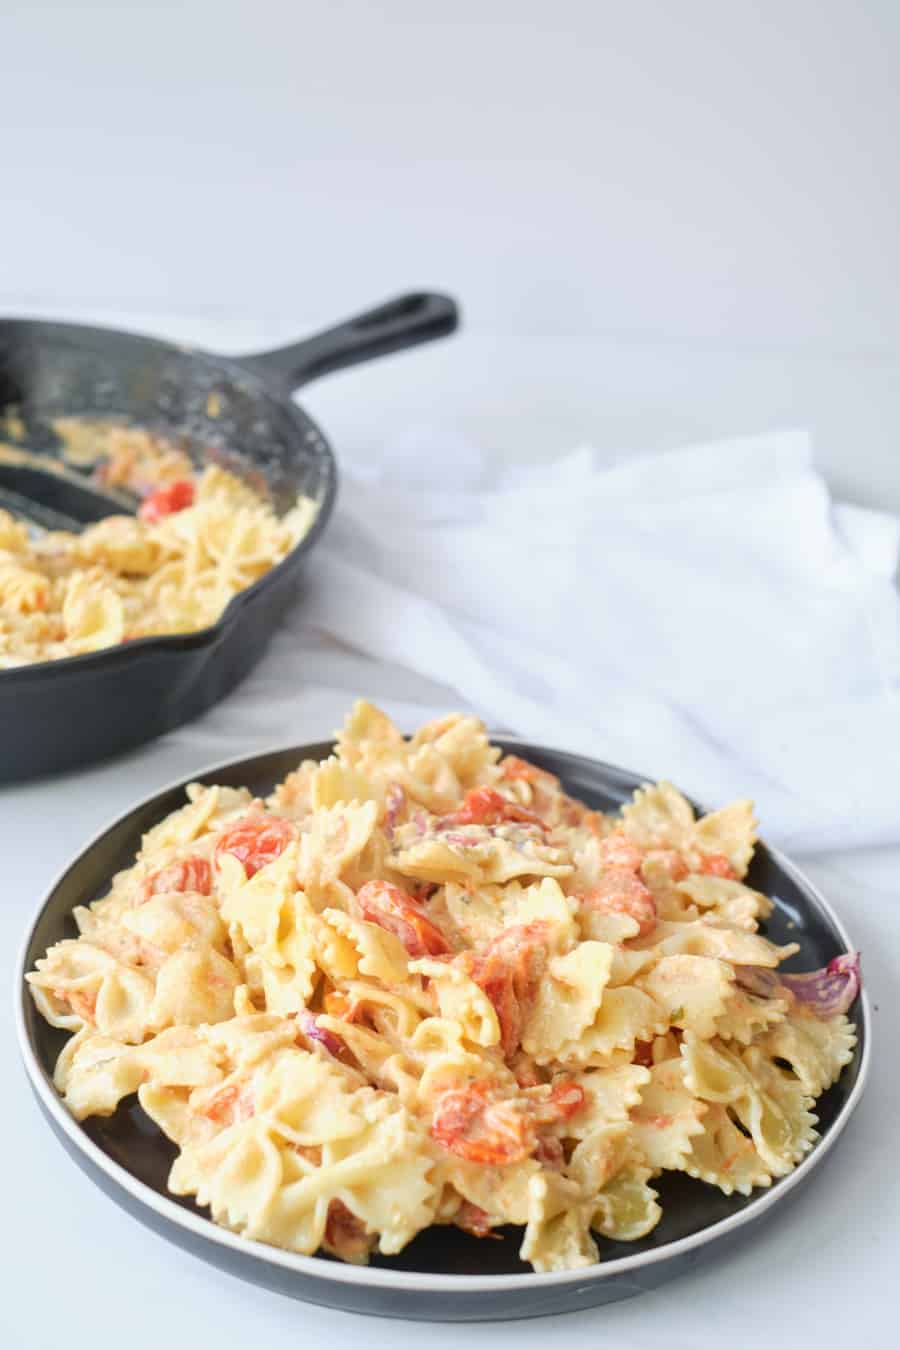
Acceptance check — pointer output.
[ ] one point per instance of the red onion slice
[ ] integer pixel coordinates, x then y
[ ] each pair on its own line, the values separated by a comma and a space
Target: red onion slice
825, 993
829, 991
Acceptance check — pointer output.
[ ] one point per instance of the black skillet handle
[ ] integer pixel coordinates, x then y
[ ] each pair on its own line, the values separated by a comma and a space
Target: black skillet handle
404, 322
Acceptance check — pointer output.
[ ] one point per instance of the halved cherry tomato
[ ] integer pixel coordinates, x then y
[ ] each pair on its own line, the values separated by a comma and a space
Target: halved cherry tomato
395, 910
716, 865
165, 501
508, 971
466, 1122
619, 891
486, 806
191, 874
256, 840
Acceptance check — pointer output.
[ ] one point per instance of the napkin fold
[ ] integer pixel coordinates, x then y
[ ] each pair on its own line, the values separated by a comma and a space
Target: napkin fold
707, 615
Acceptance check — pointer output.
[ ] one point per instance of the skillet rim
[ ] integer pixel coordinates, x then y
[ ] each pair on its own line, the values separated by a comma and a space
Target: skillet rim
307, 429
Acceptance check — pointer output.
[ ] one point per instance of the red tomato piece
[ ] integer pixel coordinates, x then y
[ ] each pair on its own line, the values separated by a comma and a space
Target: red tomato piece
716, 865
395, 911
256, 840
165, 501
617, 850
508, 971
230, 1104
486, 806
466, 1122
643, 1054
566, 1099
621, 892
191, 874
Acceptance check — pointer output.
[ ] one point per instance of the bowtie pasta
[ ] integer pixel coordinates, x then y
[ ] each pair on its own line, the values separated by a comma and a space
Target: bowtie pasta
420, 984
197, 540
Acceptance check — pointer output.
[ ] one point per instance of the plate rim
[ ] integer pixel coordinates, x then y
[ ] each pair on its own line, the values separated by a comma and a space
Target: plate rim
313, 1267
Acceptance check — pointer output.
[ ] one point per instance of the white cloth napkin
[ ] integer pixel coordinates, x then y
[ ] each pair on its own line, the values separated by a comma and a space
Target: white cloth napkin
706, 615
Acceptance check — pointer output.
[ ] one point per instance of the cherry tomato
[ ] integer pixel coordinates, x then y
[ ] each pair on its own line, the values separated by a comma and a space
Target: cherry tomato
256, 840
165, 501
395, 910
621, 892
716, 865
466, 1122
485, 806
191, 874
508, 971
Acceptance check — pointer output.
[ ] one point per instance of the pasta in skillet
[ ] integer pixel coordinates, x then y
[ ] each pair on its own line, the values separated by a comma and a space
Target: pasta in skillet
196, 542
420, 984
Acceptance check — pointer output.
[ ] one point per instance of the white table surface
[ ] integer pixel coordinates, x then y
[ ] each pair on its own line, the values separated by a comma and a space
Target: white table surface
77, 1271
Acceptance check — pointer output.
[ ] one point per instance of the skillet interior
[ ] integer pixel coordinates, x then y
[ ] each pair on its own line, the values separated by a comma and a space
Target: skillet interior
132, 1141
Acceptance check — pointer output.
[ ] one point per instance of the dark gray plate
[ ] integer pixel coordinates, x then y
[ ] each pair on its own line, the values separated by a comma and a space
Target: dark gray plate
443, 1274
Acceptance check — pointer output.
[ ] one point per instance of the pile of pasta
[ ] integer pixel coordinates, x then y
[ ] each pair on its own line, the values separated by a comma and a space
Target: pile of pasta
197, 541
420, 984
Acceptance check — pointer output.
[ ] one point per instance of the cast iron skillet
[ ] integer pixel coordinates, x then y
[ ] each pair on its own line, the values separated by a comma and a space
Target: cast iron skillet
443, 1275
59, 714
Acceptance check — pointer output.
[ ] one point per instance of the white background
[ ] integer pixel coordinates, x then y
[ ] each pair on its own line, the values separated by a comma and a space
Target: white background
665, 221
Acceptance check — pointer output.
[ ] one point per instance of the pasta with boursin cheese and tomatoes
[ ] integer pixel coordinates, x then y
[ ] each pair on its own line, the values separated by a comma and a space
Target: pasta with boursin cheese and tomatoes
420, 984
197, 540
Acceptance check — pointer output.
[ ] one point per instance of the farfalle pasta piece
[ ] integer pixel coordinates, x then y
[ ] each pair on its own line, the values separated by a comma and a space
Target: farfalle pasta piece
694, 991
479, 854
459, 999
568, 1000
626, 1015
746, 1015
723, 1155
660, 817
729, 900
361, 949
771, 1108
667, 1117
331, 846
816, 1050
557, 1234
92, 614
713, 938
270, 917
